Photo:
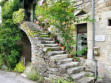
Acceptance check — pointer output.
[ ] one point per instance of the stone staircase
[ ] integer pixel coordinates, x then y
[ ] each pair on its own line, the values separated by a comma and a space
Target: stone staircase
59, 63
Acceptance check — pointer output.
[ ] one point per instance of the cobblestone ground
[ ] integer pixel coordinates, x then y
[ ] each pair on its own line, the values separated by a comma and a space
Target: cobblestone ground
11, 77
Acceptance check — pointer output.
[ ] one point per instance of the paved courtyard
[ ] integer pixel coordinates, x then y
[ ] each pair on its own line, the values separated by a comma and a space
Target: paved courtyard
11, 77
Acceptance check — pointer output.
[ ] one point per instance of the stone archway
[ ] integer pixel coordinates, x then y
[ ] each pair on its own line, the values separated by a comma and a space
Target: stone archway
37, 52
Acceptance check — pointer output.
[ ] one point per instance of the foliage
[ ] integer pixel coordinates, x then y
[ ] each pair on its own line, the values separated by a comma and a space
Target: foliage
1, 61
2, 2
82, 52
41, 12
69, 78
61, 15
10, 35
19, 67
34, 75
61, 81
18, 16
9, 8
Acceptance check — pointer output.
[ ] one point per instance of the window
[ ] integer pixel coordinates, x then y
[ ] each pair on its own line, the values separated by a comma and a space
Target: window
109, 22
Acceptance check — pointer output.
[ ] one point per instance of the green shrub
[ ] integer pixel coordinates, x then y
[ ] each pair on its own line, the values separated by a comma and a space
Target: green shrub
8, 9
61, 81
19, 67
18, 16
1, 61
10, 35
34, 75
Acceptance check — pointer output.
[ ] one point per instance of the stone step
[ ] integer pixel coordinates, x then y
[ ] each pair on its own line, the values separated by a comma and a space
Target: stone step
43, 35
69, 65
47, 42
45, 38
86, 80
78, 75
58, 57
67, 60
50, 45
75, 70
55, 53
53, 69
57, 48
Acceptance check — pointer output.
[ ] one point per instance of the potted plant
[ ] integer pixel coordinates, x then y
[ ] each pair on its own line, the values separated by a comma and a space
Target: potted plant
60, 44
57, 42
62, 48
36, 22
76, 59
54, 38
84, 56
69, 56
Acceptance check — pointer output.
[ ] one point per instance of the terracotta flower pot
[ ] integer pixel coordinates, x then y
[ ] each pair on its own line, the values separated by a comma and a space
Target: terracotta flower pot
54, 39
74, 60
69, 56
84, 57
36, 22
60, 45
62, 48
41, 27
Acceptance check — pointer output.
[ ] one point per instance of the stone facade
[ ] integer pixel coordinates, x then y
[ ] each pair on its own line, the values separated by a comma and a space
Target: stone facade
102, 35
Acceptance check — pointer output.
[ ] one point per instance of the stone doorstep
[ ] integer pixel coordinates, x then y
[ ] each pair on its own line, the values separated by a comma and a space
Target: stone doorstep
63, 61
78, 76
55, 53
75, 70
69, 65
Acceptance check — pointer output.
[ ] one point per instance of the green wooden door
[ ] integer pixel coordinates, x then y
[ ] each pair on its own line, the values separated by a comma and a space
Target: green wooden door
81, 43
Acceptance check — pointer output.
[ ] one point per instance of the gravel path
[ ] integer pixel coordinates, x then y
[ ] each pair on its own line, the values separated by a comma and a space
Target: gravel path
11, 77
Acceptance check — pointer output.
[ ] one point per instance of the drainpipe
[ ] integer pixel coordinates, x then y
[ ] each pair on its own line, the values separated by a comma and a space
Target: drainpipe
93, 41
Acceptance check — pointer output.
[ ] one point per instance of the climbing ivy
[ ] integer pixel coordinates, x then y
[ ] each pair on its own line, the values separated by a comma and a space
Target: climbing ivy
10, 35
18, 16
61, 15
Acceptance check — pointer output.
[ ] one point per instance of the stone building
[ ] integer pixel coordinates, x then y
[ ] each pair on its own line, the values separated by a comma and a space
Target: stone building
84, 29
102, 34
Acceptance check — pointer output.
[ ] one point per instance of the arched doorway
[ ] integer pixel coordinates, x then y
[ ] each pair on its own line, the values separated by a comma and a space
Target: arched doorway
26, 48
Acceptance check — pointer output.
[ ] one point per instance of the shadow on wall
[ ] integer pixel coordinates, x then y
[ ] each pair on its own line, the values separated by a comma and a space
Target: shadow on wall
26, 48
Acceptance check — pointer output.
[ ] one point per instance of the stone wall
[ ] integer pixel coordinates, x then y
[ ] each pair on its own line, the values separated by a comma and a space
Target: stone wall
102, 29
